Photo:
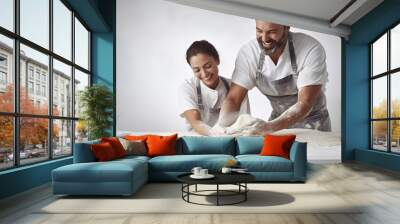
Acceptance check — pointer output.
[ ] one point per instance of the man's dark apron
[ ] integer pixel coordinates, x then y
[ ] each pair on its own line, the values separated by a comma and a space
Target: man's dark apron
283, 94
210, 115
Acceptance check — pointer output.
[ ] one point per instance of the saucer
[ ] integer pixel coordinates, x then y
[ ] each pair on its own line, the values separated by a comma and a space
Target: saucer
208, 176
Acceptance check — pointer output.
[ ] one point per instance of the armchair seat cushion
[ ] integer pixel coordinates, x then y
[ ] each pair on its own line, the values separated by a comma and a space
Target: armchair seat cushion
185, 163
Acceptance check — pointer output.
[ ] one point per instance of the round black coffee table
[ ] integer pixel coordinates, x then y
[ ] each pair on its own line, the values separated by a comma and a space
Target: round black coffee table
238, 179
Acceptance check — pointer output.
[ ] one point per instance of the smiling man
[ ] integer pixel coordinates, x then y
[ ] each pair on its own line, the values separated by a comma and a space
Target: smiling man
290, 70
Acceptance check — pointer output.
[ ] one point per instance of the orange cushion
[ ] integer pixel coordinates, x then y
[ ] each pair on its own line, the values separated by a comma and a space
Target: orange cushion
136, 137
103, 152
161, 145
116, 145
277, 145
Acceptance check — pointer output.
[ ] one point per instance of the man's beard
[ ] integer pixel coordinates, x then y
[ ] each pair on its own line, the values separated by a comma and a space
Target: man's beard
278, 44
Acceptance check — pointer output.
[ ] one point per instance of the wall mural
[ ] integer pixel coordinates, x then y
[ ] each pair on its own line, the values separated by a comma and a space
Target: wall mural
201, 72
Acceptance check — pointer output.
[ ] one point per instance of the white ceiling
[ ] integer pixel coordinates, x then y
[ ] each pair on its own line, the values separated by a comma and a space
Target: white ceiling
320, 9
314, 15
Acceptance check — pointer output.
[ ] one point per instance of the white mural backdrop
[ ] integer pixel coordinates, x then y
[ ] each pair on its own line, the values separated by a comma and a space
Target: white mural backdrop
152, 38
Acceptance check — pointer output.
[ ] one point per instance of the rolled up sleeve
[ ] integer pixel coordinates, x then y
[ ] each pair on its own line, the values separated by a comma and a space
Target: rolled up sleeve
243, 72
314, 71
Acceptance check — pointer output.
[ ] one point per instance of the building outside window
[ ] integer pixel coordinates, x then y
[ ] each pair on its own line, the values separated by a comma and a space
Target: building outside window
3, 71
30, 72
38, 89
37, 74
30, 87
55, 96
44, 77
43, 90
3, 78
3, 61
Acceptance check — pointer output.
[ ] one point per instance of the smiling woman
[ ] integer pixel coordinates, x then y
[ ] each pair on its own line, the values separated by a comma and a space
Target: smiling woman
201, 96
203, 58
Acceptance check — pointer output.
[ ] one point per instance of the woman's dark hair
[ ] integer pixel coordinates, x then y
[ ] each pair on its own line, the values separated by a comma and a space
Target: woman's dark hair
201, 46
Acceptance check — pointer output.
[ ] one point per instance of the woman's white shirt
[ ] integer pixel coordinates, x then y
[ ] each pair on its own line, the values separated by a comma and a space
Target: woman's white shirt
211, 98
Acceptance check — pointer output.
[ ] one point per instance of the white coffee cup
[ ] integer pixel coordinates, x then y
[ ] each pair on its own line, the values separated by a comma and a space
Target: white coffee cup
203, 172
226, 170
196, 170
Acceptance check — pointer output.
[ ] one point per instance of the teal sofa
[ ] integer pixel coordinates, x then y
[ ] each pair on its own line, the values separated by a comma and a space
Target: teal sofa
125, 176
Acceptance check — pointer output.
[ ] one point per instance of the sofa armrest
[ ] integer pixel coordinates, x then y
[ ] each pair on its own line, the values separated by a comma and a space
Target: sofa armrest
83, 152
298, 155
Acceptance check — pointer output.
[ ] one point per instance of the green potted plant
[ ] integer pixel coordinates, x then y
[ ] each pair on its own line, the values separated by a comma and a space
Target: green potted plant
96, 102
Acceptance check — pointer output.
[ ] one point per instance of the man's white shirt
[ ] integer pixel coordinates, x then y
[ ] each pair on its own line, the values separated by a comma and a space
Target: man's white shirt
310, 59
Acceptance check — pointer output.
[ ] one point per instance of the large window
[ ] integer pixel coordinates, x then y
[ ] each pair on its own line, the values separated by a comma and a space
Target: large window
44, 64
385, 94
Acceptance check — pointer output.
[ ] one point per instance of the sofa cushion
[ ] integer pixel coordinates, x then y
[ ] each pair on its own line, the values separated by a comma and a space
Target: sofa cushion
136, 137
131, 158
197, 145
277, 145
185, 163
111, 171
257, 163
134, 147
116, 145
249, 145
103, 152
161, 145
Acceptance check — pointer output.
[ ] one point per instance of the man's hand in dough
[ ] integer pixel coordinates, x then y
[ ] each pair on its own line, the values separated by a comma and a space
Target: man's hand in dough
259, 127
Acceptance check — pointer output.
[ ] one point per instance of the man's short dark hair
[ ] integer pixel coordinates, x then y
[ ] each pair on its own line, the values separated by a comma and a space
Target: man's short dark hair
201, 46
